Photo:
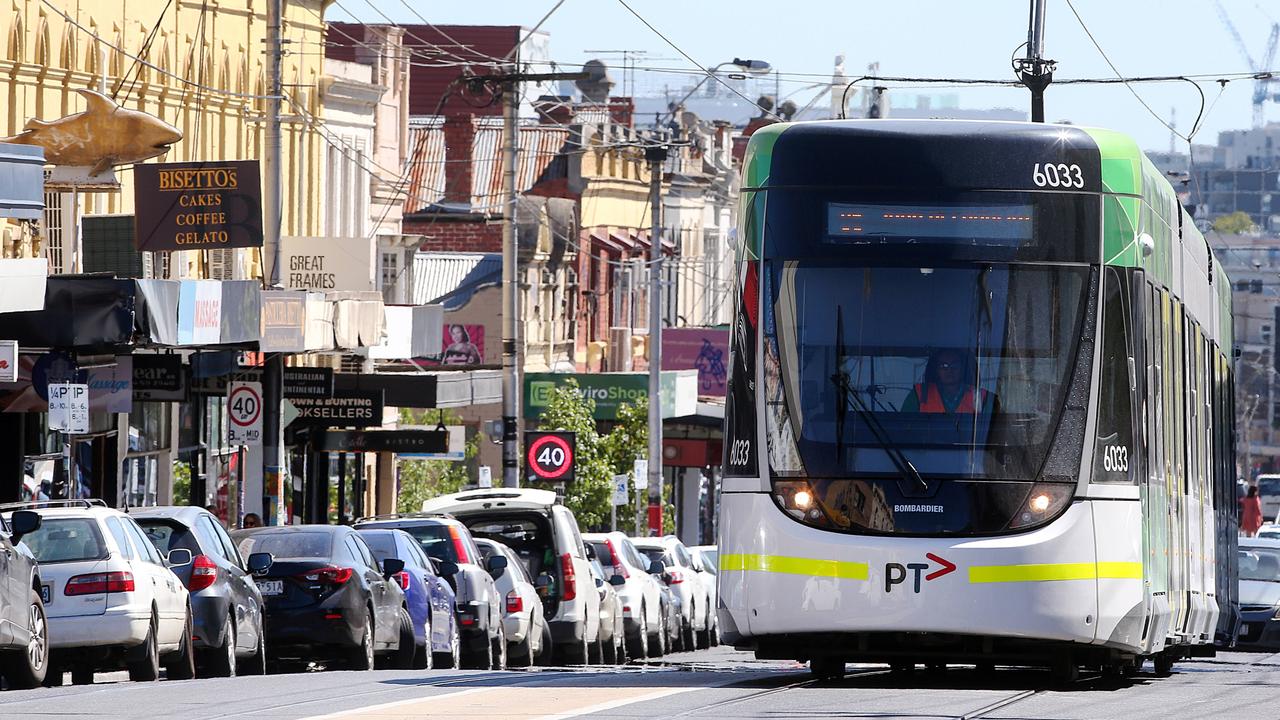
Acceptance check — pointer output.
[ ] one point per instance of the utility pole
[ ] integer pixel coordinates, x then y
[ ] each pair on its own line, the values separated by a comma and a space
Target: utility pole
509, 84
656, 155
1034, 70
273, 370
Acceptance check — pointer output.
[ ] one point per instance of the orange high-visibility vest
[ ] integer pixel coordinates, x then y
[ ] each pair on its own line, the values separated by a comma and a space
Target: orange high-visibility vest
931, 402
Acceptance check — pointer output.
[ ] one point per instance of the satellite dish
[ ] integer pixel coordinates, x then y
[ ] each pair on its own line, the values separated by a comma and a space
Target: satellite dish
595, 88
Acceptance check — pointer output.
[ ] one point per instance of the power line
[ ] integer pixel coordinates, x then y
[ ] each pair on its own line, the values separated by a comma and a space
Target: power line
146, 46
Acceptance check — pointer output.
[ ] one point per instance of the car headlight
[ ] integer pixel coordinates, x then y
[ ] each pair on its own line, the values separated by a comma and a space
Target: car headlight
1276, 616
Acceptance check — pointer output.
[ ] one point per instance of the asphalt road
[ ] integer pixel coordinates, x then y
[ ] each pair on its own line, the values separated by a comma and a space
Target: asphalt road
717, 683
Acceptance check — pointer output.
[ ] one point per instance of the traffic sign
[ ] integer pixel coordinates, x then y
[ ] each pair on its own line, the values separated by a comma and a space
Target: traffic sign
620, 489
549, 455
641, 473
244, 413
69, 407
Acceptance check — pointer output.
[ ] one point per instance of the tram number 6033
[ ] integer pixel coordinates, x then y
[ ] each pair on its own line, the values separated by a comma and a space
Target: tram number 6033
1115, 458
1057, 175
739, 453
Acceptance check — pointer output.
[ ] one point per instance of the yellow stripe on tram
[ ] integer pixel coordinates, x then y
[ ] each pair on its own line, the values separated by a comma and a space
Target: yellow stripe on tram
795, 566
1055, 571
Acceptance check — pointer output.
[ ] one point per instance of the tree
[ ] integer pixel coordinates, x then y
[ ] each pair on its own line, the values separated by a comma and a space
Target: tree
591, 491
1236, 223
628, 441
425, 479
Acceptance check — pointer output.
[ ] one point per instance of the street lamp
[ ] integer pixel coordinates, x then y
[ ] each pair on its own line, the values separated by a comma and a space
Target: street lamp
752, 67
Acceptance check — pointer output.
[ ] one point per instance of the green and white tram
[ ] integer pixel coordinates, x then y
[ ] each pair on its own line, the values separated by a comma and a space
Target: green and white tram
980, 405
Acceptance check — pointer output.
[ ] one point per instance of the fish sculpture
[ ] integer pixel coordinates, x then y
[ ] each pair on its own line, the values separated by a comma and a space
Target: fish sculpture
101, 137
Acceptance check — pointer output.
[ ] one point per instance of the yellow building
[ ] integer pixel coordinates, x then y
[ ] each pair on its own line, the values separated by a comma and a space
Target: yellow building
204, 73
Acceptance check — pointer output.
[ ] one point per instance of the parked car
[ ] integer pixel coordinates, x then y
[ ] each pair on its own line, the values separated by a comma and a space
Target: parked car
707, 557
226, 606
111, 599
430, 598
525, 625
24, 652
328, 599
1269, 492
695, 602
478, 605
545, 535
641, 592
1259, 594
610, 648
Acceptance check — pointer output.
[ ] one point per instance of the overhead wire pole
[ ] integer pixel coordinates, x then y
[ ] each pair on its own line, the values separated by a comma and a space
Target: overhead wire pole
273, 371
656, 155
1034, 70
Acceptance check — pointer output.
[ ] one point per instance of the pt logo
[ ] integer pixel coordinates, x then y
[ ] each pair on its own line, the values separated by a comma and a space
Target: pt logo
896, 573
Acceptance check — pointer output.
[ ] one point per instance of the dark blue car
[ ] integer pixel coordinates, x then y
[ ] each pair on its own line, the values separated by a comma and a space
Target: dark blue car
429, 596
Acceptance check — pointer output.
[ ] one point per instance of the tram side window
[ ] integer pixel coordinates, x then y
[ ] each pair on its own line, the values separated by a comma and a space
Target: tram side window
1113, 450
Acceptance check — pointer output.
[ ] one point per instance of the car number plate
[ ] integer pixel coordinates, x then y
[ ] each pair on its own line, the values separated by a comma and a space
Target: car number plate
271, 587
45, 594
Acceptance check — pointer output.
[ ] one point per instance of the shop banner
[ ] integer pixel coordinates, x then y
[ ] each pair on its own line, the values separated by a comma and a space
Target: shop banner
200, 312
159, 378
158, 316
397, 441
8, 361
610, 390
703, 349
349, 409
284, 321
197, 206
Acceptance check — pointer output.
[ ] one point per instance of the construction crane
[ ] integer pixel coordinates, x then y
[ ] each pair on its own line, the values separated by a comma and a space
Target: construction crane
1262, 85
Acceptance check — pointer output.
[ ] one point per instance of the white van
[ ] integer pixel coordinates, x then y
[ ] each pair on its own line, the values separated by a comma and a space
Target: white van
1269, 491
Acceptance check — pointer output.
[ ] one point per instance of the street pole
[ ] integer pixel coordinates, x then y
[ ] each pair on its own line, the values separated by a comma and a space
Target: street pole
510, 296
1034, 71
656, 155
273, 370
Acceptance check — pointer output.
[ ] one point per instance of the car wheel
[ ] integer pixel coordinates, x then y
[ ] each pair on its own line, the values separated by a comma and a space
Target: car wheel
609, 652
595, 650
452, 658
482, 660
362, 656
222, 660
522, 654
498, 651
658, 640
638, 648
182, 666
402, 658
704, 637
146, 666
81, 674
28, 667
686, 636
422, 655
826, 668
257, 665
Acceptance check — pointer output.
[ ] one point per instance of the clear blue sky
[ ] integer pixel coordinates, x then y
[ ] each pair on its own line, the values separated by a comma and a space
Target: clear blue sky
955, 38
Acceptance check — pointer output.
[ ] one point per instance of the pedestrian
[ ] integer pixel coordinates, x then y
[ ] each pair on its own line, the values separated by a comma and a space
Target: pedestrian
252, 520
1251, 512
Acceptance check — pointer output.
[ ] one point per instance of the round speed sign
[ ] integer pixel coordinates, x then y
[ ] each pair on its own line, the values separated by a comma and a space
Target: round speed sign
550, 455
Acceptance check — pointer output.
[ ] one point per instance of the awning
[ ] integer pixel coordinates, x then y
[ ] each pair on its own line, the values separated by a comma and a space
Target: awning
428, 390
21, 181
83, 313
413, 331
22, 284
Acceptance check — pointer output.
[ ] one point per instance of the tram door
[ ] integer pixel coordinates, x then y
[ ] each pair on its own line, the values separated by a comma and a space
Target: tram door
1175, 391
1155, 501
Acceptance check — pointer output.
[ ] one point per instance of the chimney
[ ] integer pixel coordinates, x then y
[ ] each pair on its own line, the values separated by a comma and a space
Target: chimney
554, 109
622, 111
459, 139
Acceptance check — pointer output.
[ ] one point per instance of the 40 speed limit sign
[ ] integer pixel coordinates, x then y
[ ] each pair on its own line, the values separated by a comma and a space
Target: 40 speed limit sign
549, 456
244, 413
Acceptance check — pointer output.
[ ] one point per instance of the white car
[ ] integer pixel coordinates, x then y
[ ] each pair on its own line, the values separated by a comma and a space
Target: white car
522, 618
109, 595
708, 556
641, 592
696, 609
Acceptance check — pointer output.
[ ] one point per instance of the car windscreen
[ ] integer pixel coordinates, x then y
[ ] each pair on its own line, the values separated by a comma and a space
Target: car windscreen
66, 540
603, 553
1259, 563
287, 545
383, 545
169, 535
654, 554
434, 541
1269, 485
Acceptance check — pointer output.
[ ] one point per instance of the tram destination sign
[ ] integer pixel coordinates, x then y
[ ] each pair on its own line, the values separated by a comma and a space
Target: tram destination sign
197, 206
357, 408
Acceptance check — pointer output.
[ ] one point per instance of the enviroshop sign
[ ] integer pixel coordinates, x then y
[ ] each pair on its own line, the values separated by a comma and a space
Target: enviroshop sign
679, 390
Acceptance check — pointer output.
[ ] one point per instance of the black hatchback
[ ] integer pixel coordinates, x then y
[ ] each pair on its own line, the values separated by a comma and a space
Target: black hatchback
328, 599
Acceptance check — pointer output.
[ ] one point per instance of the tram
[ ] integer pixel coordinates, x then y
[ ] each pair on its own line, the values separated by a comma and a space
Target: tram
980, 403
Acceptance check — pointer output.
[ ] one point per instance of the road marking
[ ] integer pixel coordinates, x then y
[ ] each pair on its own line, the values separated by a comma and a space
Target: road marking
1055, 571
795, 566
518, 702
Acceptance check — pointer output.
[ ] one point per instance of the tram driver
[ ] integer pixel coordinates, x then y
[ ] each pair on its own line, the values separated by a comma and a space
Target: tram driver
946, 387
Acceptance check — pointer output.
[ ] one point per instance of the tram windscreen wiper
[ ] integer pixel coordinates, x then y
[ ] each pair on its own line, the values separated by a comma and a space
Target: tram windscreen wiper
849, 396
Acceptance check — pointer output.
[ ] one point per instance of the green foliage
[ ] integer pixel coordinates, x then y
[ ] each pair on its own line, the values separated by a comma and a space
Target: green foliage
181, 483
424, 479
1236, 223
590, 494
628, 440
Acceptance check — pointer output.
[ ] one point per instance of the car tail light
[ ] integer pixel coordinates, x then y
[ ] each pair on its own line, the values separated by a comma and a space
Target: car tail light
515, 604
203, 573
674, 577
96, 583
618, 567
403, 578
459, 546
327, 575
569, 577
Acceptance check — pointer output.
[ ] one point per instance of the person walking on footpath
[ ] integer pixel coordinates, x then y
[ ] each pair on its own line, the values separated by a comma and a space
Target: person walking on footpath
1251, 512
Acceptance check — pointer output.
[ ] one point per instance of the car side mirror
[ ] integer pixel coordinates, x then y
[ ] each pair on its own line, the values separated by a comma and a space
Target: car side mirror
23, 522
657, 568
179, 557
496, 564
391, 566
617, 580
260, 562
447, 569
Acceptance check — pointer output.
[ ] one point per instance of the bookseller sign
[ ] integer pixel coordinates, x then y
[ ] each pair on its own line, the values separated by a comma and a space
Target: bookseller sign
198, 206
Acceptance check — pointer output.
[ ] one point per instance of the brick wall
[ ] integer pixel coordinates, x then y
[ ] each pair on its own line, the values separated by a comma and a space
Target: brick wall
454, 236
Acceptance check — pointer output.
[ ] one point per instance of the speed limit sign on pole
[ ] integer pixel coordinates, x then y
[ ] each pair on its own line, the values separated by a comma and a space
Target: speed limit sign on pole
244, 413
549, 456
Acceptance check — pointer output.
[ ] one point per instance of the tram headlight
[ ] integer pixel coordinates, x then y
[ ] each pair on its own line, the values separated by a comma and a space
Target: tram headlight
797, 499
1044, 502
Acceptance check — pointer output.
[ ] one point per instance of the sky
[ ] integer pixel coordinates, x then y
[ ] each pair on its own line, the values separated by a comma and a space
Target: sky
922, 38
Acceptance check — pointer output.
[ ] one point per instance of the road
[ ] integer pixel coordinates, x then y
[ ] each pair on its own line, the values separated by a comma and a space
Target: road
717, 683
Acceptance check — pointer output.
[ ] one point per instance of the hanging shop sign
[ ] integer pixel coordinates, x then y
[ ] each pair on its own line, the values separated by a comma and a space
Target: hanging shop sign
244, 413
199, 312
299, 382
284, 321
69, 407
327, 263
198, 206
550, 456
397, 441
8, 361
610, 391
159, 378
359, 408
697, 348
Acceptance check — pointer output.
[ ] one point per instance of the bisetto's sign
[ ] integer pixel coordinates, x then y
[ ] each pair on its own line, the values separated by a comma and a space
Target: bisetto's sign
197, 206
